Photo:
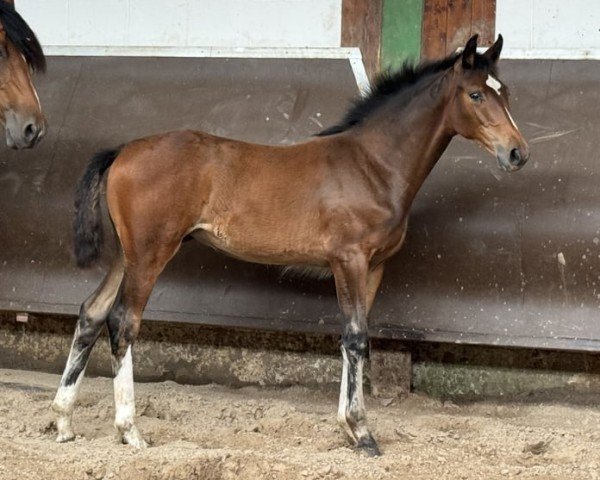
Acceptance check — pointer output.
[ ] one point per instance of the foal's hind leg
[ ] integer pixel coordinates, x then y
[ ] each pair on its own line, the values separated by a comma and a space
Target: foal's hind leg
124, 322
92, 317
356, 287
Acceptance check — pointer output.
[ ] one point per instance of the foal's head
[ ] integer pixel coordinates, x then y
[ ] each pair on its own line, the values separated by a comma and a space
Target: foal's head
20, 54
479, 107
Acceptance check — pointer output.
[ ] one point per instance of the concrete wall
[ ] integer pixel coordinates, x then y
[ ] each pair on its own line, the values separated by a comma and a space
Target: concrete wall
197, 354
549, 28
184, 23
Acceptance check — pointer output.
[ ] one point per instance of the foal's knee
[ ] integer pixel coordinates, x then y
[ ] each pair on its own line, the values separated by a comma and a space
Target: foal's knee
355, 344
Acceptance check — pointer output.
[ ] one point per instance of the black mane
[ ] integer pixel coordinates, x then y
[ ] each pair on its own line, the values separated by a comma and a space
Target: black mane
389, 84
22, 37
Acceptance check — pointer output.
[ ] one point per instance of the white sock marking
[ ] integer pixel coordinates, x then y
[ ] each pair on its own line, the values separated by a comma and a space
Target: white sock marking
64, 396
343, 388
67, 394
124, 394
64, 401
343, 406
361, 429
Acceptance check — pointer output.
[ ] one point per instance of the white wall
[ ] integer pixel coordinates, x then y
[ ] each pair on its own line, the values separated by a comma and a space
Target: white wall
549, 28
184, 23
531, 28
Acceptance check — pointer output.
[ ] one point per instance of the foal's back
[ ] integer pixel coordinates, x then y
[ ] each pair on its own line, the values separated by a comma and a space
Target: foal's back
271, 204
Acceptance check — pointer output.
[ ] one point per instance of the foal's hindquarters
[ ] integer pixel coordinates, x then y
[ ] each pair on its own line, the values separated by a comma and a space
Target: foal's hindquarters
261, 204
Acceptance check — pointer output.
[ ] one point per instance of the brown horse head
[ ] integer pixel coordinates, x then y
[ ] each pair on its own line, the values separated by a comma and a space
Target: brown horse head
480, 110
20, 54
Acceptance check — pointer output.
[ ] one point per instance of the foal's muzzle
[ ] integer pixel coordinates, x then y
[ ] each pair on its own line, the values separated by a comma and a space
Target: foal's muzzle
513, 160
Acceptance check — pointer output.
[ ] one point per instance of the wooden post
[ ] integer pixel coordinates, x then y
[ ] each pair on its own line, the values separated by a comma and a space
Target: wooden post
448, 24
361, 27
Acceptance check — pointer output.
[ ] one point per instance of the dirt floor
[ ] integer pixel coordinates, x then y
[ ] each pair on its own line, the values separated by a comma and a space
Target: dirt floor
213, 432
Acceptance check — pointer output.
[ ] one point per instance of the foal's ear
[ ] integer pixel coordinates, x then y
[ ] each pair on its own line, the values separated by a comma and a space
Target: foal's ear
493, 53
469, 52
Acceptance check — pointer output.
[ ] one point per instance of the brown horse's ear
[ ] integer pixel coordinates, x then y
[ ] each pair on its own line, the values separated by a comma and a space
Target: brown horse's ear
468, 54
493, 53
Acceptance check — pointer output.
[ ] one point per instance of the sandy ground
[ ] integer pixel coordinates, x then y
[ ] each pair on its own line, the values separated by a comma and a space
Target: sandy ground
212, 432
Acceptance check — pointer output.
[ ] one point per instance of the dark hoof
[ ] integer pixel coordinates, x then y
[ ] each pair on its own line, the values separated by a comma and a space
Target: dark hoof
369, 446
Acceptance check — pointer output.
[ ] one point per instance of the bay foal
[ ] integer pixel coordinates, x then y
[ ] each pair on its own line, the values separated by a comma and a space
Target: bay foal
20, 53
338, 201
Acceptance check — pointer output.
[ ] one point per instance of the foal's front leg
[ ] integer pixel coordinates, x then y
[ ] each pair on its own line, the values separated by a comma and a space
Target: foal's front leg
355, 289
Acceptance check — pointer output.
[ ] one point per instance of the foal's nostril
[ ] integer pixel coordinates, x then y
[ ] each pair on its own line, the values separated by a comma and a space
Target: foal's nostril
31, 132
515, 157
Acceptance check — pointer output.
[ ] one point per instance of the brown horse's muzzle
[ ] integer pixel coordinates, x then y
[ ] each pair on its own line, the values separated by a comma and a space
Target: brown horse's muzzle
23, 131
513, 159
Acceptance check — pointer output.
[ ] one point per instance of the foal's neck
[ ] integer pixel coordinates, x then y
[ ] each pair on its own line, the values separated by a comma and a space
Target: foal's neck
409, 135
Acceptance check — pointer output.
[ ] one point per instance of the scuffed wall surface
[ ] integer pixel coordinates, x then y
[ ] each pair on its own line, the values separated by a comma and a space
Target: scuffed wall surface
182, 353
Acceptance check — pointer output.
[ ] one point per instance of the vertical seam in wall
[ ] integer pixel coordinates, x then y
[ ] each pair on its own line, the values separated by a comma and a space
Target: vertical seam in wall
341, 10
531, 10
128, 24
186, 33
68, 22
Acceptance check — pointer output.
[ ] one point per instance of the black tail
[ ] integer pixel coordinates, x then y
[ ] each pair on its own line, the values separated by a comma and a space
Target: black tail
87, 224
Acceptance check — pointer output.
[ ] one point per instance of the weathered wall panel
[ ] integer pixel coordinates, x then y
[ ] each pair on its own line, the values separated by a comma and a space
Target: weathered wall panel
490, 258
448, 24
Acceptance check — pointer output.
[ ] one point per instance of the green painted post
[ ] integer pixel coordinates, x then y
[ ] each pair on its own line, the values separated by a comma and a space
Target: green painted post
401, 32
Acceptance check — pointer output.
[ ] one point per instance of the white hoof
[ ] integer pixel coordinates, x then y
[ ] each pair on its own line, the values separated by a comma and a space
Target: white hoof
64, 437
132, 437
65, 432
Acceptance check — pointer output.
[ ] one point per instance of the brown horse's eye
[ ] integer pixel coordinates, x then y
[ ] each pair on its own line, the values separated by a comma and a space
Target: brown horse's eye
3, 53
476, 96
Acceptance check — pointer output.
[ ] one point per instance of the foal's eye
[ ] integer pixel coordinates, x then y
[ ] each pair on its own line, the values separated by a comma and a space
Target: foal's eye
476, 96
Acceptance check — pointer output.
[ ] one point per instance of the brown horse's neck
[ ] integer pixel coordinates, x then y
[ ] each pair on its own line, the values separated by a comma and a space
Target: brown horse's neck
407, 137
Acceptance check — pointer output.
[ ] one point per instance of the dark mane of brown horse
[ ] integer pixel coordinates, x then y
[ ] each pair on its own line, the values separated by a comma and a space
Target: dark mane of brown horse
390, 84
22, 37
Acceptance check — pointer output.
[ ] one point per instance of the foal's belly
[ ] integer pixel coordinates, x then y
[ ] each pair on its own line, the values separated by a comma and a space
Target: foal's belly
260, 248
